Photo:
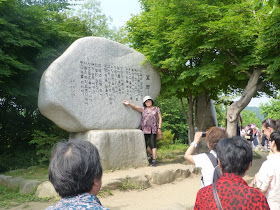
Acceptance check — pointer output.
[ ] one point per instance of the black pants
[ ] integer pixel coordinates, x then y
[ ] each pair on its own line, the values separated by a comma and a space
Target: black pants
152, 138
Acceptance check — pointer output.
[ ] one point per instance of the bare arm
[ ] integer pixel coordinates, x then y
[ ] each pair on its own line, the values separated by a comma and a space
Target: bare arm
189, 153
137, 108
159, 123
253, 182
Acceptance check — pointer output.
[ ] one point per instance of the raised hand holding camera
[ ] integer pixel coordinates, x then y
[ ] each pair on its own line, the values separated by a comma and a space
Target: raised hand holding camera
203, 134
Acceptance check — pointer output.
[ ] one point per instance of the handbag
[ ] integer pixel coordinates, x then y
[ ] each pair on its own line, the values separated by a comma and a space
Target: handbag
159, 136
217, 200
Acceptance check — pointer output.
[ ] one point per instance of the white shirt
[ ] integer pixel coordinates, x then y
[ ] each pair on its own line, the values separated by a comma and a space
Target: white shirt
268, 180
207, 169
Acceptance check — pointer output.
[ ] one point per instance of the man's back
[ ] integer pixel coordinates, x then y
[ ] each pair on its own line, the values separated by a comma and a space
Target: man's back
233, 192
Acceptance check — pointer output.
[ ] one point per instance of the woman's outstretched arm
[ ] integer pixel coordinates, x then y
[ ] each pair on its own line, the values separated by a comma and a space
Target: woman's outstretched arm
137, 108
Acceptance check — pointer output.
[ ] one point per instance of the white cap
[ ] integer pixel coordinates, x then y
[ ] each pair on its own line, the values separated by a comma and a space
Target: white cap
147, 98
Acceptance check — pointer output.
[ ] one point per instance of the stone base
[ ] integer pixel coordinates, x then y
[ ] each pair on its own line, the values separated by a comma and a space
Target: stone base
117, 148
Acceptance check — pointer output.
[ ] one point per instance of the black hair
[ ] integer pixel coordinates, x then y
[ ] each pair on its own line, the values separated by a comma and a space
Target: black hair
147, 100
235, 155
275, 136
270, 123
278, 124
73, 167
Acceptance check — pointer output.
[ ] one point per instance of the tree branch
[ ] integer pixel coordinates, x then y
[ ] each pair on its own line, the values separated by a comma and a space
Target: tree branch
251, 89
231, 56
183, 109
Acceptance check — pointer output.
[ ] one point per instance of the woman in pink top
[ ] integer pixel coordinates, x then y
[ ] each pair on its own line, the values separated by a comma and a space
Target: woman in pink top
150, 124
268, 177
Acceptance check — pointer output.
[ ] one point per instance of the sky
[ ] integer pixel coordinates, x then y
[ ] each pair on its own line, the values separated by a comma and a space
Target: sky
120, 11
257, 101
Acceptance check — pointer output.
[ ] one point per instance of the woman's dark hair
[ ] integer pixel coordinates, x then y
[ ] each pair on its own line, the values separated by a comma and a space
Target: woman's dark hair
147, 100
214, 135
74, 166
235, 155
270, 123
278, 124
275, 136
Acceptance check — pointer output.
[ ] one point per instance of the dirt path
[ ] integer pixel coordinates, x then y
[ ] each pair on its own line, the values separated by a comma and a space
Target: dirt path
175, 196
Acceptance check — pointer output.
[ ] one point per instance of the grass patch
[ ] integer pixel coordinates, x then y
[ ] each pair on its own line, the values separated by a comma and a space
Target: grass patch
104, 193
256, 155
172, 152
127, 185
33, 172
10, 198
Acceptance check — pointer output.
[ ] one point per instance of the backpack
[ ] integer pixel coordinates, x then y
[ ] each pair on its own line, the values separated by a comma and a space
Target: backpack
217, 172
214, 161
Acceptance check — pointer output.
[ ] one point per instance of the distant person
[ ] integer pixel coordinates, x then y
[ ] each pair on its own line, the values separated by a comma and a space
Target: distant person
235, 157
265, 141
255, 135
150, 124
75, 172
267, 179
213, 136
243, 132
239, 124
249, 135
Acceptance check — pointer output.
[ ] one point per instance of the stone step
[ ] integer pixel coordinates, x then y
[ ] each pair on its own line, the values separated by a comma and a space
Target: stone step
143, 177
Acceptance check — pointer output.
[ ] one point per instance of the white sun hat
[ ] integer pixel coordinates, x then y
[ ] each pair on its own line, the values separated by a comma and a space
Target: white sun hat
147, 98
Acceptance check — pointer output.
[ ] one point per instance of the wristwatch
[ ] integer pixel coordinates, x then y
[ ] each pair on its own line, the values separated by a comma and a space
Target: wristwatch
194, 144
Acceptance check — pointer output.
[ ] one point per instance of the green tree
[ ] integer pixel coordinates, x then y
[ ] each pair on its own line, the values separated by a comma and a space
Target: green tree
173, 118
99, 24
249, 117
221, 114
198, 48
49, 5
272, 108
31, 38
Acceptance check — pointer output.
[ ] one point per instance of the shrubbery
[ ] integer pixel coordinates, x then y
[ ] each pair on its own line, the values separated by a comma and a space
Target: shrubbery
45, 141
167, 139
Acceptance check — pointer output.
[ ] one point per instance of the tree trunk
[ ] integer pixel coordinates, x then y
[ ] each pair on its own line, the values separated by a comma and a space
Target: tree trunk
235, 108
184, 112
191, 120
205, 112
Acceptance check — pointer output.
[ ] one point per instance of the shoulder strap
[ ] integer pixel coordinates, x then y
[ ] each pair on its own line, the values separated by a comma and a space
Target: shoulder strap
213, 159
215, 193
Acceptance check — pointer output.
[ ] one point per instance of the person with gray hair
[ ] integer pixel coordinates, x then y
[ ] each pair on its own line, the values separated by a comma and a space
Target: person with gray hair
75, 172
231, 191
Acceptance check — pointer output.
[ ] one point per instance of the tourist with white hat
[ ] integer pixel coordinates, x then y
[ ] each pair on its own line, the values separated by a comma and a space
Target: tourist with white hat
150, 124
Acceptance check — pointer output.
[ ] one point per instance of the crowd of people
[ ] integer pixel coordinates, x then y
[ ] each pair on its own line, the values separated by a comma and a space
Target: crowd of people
75, 169
234, 157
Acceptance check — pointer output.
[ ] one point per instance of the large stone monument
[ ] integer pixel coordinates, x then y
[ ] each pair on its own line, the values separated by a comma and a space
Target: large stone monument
82, 92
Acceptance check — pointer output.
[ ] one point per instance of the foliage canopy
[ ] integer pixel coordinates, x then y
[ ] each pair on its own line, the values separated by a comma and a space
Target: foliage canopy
210, 46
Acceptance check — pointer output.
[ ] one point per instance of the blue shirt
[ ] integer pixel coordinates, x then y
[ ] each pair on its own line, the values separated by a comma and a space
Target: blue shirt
81, 201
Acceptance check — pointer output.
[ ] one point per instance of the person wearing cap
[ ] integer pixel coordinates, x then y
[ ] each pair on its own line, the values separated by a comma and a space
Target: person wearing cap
150, 124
